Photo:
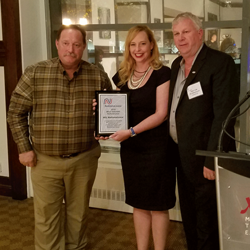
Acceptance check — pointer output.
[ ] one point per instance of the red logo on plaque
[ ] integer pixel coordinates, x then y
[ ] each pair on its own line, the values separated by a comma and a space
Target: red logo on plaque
248, 203
107, 101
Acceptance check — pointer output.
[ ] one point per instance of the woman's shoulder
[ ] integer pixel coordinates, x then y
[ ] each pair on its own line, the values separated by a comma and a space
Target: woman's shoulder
163, 73
163, 70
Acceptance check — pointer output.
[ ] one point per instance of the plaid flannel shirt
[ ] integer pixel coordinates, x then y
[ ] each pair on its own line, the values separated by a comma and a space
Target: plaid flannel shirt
52, 113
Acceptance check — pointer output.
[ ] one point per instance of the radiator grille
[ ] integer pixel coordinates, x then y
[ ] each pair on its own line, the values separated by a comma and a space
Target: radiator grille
114, 195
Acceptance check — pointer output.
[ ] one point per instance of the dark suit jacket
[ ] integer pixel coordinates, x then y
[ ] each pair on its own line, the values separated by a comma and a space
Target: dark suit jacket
199, 120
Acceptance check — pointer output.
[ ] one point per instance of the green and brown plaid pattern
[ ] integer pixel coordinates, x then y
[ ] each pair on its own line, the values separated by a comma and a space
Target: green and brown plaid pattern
58, 109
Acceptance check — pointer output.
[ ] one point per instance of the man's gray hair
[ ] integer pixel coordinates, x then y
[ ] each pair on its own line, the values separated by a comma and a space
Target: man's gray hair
188, 15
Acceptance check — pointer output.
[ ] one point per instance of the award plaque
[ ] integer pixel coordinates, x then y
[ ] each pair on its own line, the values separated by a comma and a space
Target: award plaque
111, 113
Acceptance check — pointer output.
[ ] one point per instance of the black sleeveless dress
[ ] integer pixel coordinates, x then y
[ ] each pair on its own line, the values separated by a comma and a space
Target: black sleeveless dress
149, 178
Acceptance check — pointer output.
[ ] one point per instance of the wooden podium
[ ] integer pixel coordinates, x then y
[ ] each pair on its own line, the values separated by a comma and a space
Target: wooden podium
233, 198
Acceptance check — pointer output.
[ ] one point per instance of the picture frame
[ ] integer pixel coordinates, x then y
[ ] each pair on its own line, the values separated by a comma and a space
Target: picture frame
104, 18
111, 113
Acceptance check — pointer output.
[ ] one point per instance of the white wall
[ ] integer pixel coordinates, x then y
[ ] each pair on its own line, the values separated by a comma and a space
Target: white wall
197, 7
183, 6
34, 49
194, 6
212, 8
33, 40
232, 14
156, 9
33, 31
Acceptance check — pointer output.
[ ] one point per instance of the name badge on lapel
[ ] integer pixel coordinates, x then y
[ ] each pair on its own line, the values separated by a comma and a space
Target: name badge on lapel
194, 90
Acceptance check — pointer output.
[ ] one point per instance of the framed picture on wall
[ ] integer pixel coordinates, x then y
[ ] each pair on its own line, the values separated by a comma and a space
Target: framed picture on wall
212, 35
158, 34
104, 18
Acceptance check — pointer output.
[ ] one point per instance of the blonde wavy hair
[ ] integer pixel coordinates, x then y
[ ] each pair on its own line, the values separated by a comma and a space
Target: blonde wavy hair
128, 64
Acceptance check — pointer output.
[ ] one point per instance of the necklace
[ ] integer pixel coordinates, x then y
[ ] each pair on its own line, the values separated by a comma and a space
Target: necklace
136, 84
139, 71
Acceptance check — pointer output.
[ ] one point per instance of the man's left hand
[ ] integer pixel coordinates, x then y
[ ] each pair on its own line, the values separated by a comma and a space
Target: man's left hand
208, 174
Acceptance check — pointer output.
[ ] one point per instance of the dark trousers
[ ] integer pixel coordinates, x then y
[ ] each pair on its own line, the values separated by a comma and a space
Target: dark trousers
198, 209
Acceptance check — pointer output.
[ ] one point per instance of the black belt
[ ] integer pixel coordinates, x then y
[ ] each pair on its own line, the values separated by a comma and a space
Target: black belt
69, 156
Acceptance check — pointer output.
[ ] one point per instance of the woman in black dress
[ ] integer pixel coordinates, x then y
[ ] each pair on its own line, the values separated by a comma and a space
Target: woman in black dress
149, 178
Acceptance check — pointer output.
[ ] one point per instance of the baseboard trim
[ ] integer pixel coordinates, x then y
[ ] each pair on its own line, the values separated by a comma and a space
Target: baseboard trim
5, 186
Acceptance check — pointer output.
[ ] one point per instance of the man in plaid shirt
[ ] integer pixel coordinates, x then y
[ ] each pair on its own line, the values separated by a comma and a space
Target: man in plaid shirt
52, 122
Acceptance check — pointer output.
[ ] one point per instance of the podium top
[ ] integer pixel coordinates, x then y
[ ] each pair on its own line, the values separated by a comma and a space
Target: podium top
238, 163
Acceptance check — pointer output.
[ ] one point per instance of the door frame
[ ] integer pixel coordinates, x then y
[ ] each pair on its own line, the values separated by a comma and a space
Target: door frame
10, 58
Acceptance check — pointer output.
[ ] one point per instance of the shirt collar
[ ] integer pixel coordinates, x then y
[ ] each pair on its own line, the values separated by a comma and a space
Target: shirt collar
63, 71
182, 63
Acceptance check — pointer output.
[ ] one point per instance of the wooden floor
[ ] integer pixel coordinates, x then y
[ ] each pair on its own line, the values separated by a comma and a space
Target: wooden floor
108, 230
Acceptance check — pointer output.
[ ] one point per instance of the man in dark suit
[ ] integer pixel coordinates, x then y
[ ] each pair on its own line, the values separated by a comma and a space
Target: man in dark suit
203, 90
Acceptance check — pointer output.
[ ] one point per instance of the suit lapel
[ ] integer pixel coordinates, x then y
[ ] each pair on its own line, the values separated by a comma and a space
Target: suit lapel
174, 73
200, 60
